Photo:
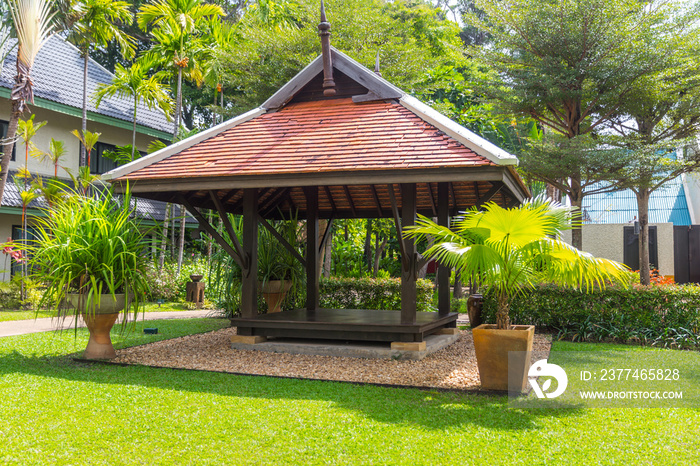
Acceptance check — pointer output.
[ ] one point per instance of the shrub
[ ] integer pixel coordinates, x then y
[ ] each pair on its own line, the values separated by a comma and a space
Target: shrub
659, 315
371, 293
10, 298
167, 285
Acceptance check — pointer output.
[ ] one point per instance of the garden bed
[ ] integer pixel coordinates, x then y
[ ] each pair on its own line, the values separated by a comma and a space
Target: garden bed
451, 368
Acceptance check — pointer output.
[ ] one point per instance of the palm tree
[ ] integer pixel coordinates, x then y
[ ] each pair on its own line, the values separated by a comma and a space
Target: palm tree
510, 250
223, 36
26, 131
88, 142
135, 83
54, 155
33, 24
98, 24
175, 27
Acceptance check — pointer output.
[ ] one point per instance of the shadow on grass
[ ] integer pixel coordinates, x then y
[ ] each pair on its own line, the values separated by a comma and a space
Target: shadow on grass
405, 406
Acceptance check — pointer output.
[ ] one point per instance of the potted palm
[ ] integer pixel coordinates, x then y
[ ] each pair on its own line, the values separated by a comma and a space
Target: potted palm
509, 251
88, 253
278, 270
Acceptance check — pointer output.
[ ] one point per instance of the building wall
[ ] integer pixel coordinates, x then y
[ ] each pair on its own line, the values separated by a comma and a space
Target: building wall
59, 127
691, 184
606, 241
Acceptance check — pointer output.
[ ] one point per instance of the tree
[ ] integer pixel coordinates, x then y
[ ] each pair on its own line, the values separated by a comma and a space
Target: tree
54, 155
661, 115
87, 140
411, 37
135, 83
510, 250
97, 24
33, 24
569, 64
176, 26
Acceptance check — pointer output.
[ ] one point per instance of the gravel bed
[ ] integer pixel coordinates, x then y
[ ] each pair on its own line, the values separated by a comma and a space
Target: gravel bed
453, 367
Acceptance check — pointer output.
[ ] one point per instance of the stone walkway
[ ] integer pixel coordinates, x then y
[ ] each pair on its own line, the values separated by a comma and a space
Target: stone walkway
21, 327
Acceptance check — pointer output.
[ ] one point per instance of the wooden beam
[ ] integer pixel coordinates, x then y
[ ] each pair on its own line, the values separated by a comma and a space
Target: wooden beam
349, 198
292, 250
330, 198
275, 201
229, 195
227, 223
376, 200
397, 221
455, 207
408, 269
326, 234
513, 202
432, 200
249, 287
210, 229
312, 265
443, 272
490, 194
476, 189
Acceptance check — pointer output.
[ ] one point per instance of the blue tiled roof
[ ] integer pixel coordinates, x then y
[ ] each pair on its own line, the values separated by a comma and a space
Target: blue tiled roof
666, 204
57, 75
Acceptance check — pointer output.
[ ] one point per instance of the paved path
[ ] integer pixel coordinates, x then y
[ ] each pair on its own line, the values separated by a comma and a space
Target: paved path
20, 327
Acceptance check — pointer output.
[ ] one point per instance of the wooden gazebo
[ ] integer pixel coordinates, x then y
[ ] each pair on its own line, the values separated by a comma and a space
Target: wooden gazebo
337, 141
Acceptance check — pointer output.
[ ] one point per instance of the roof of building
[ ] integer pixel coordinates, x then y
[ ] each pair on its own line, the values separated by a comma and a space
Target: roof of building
146, 209
316, 137
666, 205
57, 76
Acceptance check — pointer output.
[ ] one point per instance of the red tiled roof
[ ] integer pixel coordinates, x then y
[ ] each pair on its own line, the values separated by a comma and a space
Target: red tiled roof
316, 137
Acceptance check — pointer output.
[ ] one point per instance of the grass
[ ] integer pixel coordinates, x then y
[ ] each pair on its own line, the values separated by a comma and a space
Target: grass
8, 315
56, 411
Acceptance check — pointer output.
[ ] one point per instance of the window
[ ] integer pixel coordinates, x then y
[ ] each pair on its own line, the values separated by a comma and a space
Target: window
3, 131
100, 164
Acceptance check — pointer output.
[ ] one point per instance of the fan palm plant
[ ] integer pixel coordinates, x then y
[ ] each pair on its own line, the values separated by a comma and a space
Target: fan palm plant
33, 25
135, 83
98, 23
511, 250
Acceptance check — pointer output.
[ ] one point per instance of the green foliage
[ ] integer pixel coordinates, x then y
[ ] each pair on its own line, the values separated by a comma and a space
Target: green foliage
89, 246
166, 284
658, 315
411, 38
371, 293
10, 296
509, 250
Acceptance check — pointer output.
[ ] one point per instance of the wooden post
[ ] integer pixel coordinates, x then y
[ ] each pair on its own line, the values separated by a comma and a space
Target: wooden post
443, 273
312, 264
249, 293
408, 263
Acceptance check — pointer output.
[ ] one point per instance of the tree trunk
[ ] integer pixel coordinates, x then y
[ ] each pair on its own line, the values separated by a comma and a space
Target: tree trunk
327, 261
214, 118
84, 122
8, 145
208, 239
178, 103
643, 208
181, 246
368, 245
222, 105
378, 250
133, 134
457, 293
577, 201
502, 318
164, 240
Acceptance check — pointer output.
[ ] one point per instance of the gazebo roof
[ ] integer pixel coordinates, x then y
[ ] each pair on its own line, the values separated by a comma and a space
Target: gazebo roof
369, 134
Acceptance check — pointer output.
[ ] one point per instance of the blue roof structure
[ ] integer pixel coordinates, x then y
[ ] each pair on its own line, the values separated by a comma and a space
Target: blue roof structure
666, 205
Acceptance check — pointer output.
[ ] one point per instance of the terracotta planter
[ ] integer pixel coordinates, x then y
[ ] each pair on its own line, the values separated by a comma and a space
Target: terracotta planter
99, 320
492, 347
274, 292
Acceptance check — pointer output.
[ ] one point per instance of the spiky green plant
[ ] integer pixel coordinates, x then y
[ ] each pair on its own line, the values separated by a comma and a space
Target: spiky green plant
511, 250
91, 246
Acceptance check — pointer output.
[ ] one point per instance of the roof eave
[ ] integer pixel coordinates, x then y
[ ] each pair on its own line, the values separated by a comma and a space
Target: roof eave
172, 149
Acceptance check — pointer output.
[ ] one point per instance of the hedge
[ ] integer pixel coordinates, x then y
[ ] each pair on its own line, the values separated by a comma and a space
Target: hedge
643, 314
371, 293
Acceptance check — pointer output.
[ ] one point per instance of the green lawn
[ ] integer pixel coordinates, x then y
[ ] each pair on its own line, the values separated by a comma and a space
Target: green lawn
149, 307
56, 411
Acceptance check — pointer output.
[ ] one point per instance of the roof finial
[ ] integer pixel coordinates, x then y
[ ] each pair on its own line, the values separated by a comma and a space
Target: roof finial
376, 65
324, 31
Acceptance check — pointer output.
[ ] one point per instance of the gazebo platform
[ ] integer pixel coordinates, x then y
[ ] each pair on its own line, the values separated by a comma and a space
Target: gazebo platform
344, 324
